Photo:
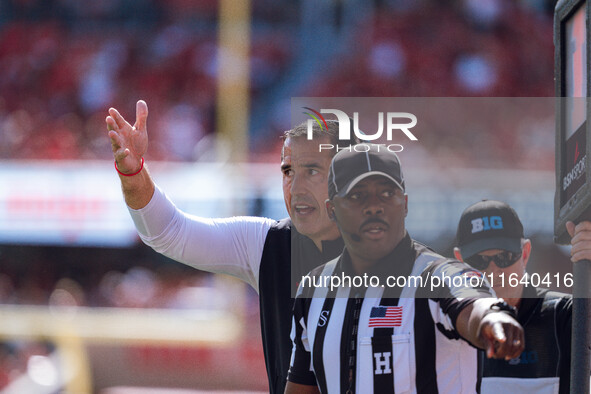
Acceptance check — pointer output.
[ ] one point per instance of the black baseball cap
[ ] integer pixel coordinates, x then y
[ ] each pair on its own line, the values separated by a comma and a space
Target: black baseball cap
489, 224
351, 165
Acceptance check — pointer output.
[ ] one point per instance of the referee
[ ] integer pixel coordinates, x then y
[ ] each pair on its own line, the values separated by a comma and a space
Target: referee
256, 250
491, 239
381, 338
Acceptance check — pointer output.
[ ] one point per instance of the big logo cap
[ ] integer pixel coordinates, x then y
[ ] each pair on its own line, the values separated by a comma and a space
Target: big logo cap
489, 224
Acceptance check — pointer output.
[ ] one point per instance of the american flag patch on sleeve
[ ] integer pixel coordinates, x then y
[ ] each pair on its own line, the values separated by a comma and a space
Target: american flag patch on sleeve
385, 316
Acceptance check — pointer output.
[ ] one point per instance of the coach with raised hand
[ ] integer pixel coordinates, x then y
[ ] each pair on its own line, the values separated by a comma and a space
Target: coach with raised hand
411, 335
256, 250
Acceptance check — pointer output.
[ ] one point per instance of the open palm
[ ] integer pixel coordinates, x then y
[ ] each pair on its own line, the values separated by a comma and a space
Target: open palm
129, 143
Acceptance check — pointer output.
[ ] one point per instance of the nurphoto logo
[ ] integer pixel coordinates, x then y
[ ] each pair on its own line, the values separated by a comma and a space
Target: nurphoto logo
394, 122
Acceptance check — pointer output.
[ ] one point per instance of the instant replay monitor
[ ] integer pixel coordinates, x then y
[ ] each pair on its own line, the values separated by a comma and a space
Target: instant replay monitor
573, 189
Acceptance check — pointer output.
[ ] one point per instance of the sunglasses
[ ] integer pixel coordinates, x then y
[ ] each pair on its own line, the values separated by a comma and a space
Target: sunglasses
502, 260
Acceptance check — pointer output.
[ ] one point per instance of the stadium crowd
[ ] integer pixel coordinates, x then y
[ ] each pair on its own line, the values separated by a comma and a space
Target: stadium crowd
62, 64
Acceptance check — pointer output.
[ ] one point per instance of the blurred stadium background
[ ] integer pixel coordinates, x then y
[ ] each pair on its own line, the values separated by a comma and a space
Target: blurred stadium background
84, 306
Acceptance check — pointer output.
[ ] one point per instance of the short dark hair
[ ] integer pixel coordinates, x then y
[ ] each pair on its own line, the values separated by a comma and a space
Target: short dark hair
332, 132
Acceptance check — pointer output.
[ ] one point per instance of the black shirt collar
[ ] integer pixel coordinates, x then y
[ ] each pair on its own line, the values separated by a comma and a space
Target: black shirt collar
308, 256
331, 249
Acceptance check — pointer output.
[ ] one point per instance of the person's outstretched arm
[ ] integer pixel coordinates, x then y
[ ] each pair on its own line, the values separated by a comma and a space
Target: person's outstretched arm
231, 246
499, 334
129, 144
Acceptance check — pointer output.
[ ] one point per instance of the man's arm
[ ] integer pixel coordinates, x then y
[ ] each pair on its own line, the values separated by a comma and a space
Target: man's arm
231, 246
466, 308
496, 332
294, 388
129, 144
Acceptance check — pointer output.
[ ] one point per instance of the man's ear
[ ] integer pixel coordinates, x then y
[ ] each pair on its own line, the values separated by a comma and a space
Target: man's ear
526, 251
330, 210
405, 204
457, 254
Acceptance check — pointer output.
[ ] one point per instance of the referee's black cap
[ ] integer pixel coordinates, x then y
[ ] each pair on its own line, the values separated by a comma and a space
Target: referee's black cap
349, 166
489, 224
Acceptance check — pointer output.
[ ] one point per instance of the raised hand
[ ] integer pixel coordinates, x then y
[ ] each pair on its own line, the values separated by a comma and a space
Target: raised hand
129, 143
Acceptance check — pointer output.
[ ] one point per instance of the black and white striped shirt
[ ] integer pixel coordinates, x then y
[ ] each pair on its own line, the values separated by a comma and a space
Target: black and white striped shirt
403, 339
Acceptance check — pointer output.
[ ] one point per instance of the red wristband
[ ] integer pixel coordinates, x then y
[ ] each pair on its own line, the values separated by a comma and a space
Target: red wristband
135, 173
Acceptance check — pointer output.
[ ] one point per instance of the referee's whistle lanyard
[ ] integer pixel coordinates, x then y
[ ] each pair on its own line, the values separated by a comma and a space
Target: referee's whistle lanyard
352, 348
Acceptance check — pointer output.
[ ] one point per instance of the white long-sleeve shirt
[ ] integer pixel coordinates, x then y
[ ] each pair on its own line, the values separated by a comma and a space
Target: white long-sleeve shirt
232, 246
